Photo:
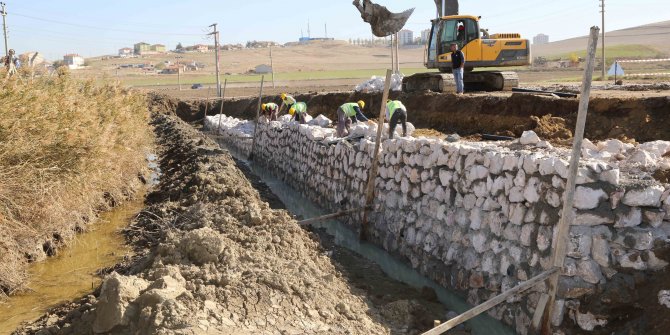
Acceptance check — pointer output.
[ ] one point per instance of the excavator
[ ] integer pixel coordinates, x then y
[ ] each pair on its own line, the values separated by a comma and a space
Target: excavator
481, 49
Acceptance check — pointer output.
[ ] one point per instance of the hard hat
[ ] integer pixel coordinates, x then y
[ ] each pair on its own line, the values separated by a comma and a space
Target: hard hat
388, 100
11, 51
291, 111
283, 96
361, 103
263, 106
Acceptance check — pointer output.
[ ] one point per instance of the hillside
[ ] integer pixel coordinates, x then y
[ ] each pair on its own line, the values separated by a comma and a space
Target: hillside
653, 38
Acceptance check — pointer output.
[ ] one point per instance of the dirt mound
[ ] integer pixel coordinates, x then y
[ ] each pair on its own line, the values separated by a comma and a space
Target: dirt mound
222, 261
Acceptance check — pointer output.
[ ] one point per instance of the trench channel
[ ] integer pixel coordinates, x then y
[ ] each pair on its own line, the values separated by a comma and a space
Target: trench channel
342, 236
75, 270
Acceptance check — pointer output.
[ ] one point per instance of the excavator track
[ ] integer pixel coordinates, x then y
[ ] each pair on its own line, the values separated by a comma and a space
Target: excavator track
474, 81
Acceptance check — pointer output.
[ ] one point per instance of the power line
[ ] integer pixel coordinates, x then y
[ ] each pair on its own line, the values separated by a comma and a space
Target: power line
103, 28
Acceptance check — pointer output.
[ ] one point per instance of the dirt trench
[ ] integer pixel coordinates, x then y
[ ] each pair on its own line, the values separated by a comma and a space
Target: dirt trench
640, 119
214, 258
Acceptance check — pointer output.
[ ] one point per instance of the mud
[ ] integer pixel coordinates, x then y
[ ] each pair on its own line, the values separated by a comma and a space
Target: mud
639, 119
222, 261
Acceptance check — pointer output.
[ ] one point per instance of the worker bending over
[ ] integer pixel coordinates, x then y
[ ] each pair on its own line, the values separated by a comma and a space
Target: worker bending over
396, 111
270, 111
286, 100
348, 113
299, 112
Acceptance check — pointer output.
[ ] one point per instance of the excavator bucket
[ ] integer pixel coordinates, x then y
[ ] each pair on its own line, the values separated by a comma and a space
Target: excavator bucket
381, 20
450, 7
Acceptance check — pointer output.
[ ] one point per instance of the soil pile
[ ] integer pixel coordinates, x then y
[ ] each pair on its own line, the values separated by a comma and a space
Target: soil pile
222, 261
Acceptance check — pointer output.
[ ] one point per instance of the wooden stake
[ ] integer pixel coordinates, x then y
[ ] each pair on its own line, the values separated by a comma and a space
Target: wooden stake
258, 115
330, 216
491, 303
223, 94
372, 174
567, 212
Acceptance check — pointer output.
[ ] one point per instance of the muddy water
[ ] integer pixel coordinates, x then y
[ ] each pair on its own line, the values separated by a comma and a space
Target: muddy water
71, 274
343, 236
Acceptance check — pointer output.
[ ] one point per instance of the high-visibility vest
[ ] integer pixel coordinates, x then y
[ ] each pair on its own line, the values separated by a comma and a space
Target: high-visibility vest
289, 100
393, 105
300, 107
348, 108
271, 106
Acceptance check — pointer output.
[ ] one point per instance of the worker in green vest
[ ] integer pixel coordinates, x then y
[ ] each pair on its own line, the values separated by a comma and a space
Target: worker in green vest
286, 100
347, 114
270, 111
396, 111
298, 111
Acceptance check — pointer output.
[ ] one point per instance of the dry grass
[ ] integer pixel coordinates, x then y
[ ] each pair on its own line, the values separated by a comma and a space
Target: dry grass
67, 150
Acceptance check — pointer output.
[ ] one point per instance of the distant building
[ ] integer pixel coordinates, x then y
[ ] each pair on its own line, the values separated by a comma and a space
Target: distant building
142, 48
304, 40
158, 48
126, 52
425, 35
263, 69
201, 48
406, 37
540, 39
73, 61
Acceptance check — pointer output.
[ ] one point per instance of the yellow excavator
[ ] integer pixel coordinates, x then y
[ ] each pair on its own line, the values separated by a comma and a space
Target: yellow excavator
481, 51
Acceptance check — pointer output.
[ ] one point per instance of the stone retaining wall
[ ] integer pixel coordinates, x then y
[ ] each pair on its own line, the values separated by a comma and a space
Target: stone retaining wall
480, 217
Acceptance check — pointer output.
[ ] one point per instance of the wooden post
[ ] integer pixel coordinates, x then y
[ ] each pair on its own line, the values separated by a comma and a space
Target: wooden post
481, 308
330, 216
567, 212
258, 115
372, 174
392, 54
223, 94
397, 54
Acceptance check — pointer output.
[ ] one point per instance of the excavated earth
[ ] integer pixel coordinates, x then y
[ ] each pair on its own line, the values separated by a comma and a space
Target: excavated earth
213, 257
641, 119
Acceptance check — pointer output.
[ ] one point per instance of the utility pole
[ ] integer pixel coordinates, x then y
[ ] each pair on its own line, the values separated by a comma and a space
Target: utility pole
272, 68
4, 26
602, 11
216, 51
178, 72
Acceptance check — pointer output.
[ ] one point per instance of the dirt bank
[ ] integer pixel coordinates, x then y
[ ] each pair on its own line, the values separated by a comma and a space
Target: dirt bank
642, 119
221, 262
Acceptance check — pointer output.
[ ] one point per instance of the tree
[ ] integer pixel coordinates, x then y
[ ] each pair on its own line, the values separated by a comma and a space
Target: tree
179, 46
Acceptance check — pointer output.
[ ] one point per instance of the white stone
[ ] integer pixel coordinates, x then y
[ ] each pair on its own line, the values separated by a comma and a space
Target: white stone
532, 191
529, 137
520, 179
642, 158
664, 298
611, 176
510, 163
561, 167
612, 146
588, 321
646, 197
516, 213
516, 194
553, 199
479, 242
530, 164
588, 198
589, 271
547, 166
631, 219
478, 172
557, 182
445, 177
600, 251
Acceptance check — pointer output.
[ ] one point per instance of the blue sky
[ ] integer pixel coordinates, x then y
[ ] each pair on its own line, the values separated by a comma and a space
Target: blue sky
93, 28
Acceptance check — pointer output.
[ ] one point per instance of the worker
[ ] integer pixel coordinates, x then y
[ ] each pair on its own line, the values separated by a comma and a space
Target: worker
299, 112
347, 114
286, 100
270, 111
396, 111
12, 63
458, 66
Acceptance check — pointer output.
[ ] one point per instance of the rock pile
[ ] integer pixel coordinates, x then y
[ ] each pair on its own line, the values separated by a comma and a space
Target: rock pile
376, 84
481, 217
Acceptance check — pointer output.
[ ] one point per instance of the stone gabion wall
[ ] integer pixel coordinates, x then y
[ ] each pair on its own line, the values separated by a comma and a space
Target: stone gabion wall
478, 218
